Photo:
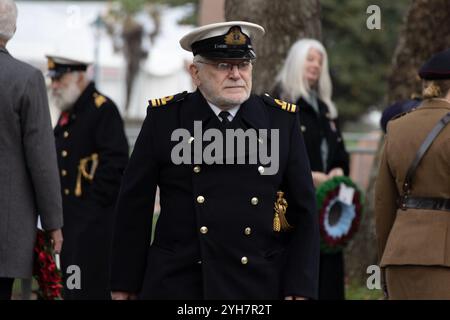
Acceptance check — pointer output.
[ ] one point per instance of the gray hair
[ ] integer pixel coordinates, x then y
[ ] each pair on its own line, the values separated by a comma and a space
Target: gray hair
8, 19
198, 59
294, 86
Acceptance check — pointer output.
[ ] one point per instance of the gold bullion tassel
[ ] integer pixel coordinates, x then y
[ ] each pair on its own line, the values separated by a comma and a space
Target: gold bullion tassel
279, 221
276, 223
82, 171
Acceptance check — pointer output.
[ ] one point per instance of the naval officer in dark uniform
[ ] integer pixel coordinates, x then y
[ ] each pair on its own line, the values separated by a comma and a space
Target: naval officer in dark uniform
92, 154
227, 229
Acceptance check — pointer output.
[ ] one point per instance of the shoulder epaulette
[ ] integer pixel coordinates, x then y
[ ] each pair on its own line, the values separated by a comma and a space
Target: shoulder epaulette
99, 99
167, 100
290, 107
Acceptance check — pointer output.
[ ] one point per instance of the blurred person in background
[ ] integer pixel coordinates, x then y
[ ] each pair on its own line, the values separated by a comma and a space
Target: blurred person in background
396, 109
92, 152
305, 80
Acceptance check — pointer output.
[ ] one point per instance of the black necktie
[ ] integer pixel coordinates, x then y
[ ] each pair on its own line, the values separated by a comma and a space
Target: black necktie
224, 116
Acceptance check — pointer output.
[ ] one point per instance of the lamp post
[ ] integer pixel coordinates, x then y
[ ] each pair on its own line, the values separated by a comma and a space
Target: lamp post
97, 24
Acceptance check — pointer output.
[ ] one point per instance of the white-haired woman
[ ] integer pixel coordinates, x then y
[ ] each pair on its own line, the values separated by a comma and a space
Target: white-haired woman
305, 80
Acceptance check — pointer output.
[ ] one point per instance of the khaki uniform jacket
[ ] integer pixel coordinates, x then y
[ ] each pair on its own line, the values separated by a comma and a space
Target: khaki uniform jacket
414, 237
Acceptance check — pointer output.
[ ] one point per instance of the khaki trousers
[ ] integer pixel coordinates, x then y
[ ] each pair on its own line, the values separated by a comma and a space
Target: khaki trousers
418, 282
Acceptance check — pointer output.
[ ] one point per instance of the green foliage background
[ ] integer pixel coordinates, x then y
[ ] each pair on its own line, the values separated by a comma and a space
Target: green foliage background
360, 59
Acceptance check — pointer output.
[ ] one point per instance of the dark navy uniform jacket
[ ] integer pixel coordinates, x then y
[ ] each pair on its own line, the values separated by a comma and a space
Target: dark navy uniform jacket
214, 238
93, 126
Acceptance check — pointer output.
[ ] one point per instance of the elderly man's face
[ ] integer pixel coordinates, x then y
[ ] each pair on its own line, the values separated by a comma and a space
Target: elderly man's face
224, 83
65, 90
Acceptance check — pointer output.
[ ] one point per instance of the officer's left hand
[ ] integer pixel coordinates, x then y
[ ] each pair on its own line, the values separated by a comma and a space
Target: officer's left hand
294, 298
121, 295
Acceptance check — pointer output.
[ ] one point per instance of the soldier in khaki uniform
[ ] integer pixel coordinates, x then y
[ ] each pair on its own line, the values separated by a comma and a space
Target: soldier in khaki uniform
412, 200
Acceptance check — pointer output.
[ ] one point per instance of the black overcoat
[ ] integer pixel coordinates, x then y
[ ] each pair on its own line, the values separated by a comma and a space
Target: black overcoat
316, 126
94, 127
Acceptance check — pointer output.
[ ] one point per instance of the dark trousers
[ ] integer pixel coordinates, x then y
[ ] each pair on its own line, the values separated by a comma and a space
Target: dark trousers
6, 288
331, 276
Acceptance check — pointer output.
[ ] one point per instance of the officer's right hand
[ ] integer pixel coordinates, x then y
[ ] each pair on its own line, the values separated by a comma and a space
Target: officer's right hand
120, 295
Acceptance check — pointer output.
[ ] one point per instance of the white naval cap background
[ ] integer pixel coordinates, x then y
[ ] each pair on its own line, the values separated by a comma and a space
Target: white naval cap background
68, 59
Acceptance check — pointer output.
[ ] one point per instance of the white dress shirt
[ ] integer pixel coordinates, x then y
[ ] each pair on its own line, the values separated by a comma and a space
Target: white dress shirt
232, 111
